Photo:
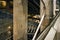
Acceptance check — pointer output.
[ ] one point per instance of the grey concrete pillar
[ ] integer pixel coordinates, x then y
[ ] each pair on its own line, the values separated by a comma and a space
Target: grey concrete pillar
20, 20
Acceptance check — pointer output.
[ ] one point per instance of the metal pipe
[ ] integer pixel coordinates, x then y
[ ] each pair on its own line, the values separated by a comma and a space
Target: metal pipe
38, 27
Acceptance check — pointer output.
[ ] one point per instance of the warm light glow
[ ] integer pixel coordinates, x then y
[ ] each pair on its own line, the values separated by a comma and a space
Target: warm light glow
4, 3
9, 27
36, 16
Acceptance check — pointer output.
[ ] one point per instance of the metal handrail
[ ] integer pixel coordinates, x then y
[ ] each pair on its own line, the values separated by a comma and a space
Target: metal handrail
38, 27
44, 33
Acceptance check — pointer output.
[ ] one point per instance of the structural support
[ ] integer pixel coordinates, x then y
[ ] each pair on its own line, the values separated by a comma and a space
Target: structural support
20, 20
54, 7
48, 11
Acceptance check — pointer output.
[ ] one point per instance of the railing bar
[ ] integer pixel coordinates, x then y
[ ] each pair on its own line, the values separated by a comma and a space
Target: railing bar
38, 27
46, 30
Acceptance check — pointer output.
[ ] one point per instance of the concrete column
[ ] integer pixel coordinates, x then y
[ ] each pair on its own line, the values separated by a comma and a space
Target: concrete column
20, 20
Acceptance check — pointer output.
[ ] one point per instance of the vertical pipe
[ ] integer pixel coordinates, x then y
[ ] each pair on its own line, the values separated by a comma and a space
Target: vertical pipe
54, 7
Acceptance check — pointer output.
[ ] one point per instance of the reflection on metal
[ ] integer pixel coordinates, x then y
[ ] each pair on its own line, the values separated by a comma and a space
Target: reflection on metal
57, 10
38, 27
54, 7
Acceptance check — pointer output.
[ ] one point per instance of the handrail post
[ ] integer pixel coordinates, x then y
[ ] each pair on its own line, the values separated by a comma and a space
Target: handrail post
38, 27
